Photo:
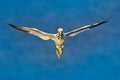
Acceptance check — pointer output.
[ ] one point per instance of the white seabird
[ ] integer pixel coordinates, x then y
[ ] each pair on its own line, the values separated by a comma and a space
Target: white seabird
60, 36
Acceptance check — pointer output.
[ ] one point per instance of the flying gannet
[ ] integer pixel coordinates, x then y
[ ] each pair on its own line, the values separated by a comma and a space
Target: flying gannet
59, 37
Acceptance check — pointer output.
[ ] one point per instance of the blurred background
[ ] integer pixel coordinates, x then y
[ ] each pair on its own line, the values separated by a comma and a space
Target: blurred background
91, 55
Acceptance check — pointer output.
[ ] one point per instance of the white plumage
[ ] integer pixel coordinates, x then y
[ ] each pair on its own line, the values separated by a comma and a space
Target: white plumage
59, 37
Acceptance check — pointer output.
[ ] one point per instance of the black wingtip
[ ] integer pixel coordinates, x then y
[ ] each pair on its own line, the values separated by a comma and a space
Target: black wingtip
9, 24
18, 27
12, 25
107, 20
102, 22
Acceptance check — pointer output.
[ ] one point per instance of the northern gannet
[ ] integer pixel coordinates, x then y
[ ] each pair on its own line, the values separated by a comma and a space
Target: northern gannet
59, 37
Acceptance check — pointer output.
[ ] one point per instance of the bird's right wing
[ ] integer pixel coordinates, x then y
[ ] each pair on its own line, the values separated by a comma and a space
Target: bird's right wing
36, 32
84, 28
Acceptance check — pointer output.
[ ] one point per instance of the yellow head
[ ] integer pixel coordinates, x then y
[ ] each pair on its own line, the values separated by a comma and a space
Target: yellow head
60, 29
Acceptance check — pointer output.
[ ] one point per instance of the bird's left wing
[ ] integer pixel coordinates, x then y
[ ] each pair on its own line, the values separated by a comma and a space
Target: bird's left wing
84, 28
34, 31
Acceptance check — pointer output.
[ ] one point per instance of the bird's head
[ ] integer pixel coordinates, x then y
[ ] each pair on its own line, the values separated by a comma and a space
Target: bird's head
60, 33
60, 30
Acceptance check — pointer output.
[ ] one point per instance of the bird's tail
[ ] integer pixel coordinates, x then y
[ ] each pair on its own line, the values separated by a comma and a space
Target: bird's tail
59, 51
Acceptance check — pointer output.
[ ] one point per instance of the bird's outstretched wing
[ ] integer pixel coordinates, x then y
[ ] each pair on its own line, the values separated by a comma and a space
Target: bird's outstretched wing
36, 32
84, 28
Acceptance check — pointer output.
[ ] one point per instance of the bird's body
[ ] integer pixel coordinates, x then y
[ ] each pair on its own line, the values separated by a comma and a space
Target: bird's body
59, 37
59, 41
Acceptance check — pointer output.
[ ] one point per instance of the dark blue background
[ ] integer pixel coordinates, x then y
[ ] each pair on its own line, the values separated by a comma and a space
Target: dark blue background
92, 55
